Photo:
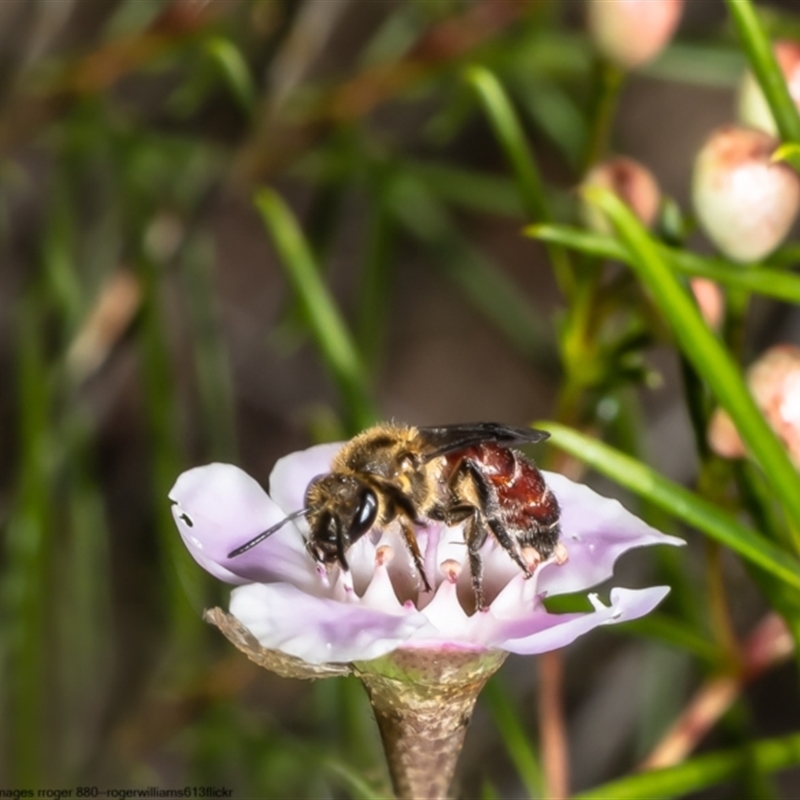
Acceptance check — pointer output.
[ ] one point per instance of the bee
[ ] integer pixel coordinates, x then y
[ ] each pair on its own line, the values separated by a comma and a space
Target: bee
456, 474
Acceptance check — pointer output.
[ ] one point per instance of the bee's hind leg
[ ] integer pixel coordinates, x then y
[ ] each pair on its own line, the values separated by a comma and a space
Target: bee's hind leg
510, 546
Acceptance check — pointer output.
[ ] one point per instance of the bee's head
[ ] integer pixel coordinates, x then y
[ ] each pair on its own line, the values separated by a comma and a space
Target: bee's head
340, 509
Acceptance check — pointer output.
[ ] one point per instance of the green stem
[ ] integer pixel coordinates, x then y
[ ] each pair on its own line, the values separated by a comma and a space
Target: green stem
326, 323
766, 69
611, 81
508, 130
705, 352
769, 282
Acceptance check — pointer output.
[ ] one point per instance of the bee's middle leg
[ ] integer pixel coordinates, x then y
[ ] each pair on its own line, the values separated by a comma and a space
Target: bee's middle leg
475, 533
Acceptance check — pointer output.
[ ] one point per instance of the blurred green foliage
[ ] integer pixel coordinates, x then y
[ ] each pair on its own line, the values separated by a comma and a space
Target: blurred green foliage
121, 127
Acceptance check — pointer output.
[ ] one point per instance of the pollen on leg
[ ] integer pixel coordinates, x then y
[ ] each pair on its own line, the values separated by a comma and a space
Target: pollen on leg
451, 569
384, 555
560, 554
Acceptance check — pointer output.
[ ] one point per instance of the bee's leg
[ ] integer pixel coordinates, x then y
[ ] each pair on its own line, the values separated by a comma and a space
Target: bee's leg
509, 545
413, 546
477, 484
475, 535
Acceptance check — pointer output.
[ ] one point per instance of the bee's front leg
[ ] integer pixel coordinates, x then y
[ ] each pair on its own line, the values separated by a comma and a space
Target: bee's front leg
413, 546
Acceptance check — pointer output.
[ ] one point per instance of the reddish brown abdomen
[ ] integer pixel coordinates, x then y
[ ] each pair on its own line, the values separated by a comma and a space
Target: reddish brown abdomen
520, 490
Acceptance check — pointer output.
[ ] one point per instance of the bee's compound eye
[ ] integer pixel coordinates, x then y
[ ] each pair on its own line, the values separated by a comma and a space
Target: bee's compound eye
365, 516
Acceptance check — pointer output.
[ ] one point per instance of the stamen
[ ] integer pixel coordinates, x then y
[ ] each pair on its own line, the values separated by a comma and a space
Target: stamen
384, 555
451, 569
532, 557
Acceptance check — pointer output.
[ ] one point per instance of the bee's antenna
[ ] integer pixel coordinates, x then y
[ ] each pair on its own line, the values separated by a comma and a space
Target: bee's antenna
267, 533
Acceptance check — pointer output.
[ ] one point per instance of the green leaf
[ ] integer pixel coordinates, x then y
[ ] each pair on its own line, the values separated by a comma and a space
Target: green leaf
509, 132
326, 323
234, 69
676, 501
519, 746
790, 153
765, 67
762, 280
662, 628
704, 350
698, 773
490, 290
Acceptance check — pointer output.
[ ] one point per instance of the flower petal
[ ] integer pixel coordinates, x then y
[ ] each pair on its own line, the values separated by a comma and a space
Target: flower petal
291, 474
318, 630
541, 631
596, 531
219, 507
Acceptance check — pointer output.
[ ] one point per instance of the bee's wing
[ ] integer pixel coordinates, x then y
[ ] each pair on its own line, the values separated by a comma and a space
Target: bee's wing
449, 438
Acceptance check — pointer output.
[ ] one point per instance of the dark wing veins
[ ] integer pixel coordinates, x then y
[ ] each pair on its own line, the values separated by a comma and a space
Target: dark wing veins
440, 441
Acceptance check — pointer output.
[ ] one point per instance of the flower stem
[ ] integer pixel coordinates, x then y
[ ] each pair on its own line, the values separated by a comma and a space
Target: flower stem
423, 701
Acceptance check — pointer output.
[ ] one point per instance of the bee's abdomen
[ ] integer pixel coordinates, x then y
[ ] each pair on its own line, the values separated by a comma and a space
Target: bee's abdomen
520, 495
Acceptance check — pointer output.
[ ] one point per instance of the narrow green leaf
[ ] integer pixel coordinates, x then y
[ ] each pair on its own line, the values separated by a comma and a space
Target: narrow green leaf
770, 755
762, 280
478, 191
765, 67
26, 558
214, 381
674, 632
699, 64
509, 132
705, 351
186, 586
490, 290
326, 323
677, 501
376, 275
519, 746
790, 153
234, 69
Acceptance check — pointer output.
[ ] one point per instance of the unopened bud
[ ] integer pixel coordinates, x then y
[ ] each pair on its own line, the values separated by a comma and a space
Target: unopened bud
774, 380
632, 32
632, 182
745, 202
753, 107
710, 301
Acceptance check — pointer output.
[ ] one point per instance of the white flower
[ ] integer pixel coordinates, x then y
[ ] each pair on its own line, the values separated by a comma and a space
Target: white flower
293, 605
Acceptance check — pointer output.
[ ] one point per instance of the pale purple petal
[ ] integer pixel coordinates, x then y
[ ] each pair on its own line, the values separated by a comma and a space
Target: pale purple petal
540, 631
596, 531
294, 605
291, 474
319, 630
219, 507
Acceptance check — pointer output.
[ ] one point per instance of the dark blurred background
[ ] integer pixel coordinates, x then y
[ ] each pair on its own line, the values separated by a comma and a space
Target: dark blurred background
148, 326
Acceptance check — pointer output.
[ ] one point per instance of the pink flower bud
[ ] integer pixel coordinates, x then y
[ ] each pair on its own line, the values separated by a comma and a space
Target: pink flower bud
774, 380
710, 301
632, 32
632, 182
745, 203
753, 107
